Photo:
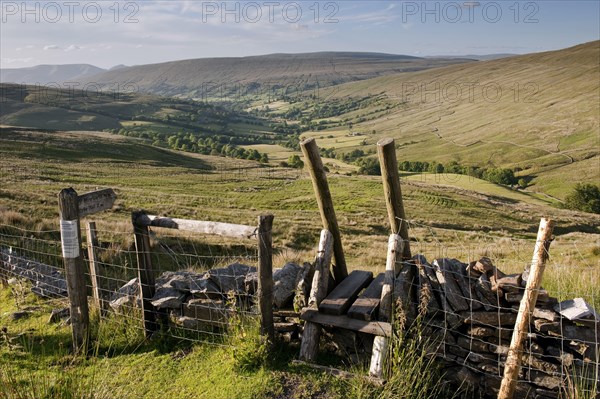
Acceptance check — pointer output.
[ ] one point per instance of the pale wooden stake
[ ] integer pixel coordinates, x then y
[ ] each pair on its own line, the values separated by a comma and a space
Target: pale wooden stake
321, 187
513, 360
68, 204
92, 244
386, 149
392, 268
265, 275
312, 331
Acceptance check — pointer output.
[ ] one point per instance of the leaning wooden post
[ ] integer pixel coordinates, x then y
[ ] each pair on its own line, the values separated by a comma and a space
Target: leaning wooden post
321, 187
265, 276
145, 272
312, 331
513, 360
392, 268
92, 244
386, 149
70, 235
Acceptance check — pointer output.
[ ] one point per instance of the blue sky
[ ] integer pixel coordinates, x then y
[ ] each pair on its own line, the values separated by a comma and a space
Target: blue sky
107, 33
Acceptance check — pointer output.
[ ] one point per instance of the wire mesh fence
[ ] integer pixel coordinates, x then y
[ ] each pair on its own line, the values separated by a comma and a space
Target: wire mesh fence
202, 283
466, 294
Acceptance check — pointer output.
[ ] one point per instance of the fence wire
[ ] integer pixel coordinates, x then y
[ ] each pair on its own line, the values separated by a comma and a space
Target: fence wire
203, 283
468, 310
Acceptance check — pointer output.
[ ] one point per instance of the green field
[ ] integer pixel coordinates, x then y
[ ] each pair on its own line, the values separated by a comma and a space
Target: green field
551, 143
466, 219
37, 165
536, 112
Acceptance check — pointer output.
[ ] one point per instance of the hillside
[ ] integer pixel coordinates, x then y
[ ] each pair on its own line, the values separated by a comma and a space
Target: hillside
45, 74
60, 109
263, 75
233, 364
536, 112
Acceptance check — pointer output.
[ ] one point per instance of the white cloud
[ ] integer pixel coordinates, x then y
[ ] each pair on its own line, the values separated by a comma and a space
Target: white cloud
6, 61
72, 47
51, 47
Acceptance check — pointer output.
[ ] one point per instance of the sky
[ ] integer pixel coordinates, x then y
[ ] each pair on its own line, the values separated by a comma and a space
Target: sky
109, 33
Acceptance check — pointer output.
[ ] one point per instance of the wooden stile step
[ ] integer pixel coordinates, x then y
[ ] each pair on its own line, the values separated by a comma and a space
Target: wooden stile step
367, 304
370, 327
342, 296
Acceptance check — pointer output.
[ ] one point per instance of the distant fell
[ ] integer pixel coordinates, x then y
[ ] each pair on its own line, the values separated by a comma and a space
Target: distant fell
208, 77
538, 113
45, 74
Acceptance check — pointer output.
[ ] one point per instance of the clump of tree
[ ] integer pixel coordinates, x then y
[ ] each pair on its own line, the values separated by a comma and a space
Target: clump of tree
219, 145
293, 161
584, 197
494, 175
369, 166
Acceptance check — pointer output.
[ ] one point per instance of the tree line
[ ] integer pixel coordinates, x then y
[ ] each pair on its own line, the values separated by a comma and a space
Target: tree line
219, 145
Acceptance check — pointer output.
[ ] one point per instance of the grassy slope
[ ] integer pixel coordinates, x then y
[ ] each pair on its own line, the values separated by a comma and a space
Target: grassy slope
47, 108
36, 165
232, 77
545, 120
35, 362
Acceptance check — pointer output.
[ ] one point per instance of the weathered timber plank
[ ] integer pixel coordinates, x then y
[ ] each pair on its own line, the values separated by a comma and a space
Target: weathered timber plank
323, 195
342, 296
378, 328
96, 201
386, 310
386, 149
367, 304
199, 226
312, 331
447, 280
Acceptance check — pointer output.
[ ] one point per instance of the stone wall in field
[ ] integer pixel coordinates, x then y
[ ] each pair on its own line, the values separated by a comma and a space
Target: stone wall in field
469, 310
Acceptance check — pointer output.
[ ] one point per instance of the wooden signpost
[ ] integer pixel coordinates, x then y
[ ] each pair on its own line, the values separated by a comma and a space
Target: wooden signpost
96, 201
71, 208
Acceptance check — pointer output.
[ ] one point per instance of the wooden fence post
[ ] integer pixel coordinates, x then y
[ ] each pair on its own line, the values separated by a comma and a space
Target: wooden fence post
380, 344
312, 331
386, 149
92, 244
4, 268
145, 273
513, 360
70, 234
265, 275
321, 187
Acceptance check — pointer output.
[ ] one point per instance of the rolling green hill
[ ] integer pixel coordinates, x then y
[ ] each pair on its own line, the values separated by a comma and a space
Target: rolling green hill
61, 109
265, 75
45, 74
538, 113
